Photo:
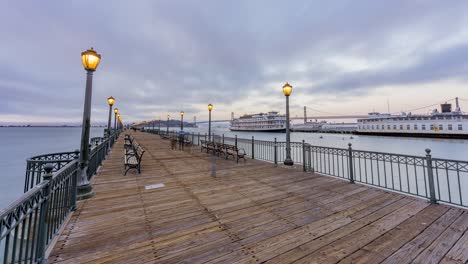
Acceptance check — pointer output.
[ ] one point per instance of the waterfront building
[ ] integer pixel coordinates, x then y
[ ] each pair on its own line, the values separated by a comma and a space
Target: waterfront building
446, 123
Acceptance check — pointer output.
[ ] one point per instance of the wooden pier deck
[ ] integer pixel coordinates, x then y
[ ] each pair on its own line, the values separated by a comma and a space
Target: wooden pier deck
250, 213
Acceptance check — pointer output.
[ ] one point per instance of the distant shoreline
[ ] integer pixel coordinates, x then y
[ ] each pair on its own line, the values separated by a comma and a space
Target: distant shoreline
35, 126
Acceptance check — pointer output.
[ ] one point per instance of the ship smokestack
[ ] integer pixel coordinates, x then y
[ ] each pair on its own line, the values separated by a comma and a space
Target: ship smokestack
446, 108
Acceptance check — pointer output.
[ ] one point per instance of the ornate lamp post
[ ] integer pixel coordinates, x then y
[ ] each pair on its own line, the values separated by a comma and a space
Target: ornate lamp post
159, 125
111, 102
116, 111
210, 107
181, 120
167, 124
287, 90
90, 60
120, 120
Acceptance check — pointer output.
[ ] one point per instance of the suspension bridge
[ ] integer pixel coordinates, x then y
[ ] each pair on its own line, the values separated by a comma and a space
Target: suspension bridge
317, 115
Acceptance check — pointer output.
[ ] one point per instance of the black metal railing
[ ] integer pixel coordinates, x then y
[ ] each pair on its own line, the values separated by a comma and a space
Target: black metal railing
35, 166
98, 154
438, 180
30, 223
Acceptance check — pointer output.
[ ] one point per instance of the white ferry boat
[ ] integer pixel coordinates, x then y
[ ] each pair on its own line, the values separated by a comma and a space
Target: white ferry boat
269, 122
444, 124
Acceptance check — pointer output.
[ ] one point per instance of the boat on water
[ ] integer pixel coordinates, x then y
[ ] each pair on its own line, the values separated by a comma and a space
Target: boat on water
262, 122
440, 124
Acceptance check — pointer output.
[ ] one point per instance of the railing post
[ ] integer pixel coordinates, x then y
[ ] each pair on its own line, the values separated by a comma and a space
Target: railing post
310, 158
74, 183
275, 147
304, 168
430, 176
193, 137
108, 149
42, 236
350, 163
253, 147
235, 140
223, 138
198, 139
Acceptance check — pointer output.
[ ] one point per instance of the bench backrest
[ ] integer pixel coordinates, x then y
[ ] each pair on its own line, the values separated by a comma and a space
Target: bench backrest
139, 151
135, 144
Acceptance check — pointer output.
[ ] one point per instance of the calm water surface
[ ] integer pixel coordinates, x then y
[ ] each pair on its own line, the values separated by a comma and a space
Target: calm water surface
18, 144
21, 143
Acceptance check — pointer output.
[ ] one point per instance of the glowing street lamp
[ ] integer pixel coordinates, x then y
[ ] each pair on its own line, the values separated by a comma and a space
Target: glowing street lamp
116, 111
111, 102
90, 60
287, 90
181, 120
210, 107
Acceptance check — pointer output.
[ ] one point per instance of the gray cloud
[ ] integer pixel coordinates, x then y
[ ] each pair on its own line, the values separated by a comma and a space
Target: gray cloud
167, 56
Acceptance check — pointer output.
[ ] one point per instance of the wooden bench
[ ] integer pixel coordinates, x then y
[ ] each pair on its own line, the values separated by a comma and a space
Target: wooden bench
223, 149
235, 152
220, 148
203, 145
210, 146
128, 139
133, 156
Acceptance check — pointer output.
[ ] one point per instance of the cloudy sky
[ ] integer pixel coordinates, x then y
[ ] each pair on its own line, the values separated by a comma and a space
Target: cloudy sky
160, 57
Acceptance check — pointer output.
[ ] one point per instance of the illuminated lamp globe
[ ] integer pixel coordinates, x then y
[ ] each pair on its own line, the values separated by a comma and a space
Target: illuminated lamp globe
90, 59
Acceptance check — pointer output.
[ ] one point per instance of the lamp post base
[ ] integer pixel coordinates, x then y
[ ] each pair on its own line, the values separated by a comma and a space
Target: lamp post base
288, 162
84, 190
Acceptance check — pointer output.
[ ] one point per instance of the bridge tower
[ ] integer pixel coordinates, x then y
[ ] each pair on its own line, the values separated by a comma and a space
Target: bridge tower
305, 114
195, 120
232, 115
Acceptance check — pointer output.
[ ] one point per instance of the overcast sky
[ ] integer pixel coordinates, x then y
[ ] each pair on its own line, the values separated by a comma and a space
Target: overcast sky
160, 57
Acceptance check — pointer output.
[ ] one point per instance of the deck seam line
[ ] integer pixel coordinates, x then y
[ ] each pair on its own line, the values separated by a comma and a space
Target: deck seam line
422, 231
223, 227
441, 233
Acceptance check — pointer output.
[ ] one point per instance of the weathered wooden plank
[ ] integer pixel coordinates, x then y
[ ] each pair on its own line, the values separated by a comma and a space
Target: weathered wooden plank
459, 252
439, 247
250, 212
384, 246
270, 246
352, 242
413, 248
385, 205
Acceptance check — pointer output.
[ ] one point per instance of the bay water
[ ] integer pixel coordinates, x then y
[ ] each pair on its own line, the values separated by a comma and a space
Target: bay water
20, 143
